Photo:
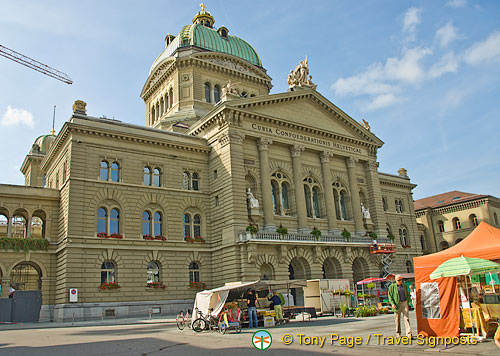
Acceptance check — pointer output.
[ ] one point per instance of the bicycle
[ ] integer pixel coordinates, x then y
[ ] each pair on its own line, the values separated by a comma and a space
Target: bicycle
204, 322
182, 319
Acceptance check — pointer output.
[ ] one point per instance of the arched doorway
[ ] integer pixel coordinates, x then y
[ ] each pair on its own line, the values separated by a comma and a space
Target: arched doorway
26, 276
299, 269
359, 272
266, 272
332, 268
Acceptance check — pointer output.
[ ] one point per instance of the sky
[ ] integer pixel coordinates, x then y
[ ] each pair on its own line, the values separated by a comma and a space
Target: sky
424, 74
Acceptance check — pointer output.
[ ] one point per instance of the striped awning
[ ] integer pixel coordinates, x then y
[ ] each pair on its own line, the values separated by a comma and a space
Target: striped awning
460, 266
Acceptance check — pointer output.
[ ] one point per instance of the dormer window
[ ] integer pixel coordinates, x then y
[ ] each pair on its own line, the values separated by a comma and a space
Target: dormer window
168, 39
223, 32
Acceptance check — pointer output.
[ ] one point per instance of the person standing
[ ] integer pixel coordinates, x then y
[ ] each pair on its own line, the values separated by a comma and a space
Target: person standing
252, 309
276, 302
398, 298
413, 295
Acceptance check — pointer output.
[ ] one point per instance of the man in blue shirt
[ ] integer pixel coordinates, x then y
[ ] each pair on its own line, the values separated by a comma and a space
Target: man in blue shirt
276, 302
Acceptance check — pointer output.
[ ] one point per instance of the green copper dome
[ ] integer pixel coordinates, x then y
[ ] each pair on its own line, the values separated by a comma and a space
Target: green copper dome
209, 39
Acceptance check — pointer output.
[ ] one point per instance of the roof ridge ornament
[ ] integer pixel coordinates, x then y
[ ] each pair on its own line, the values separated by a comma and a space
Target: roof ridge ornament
299, 78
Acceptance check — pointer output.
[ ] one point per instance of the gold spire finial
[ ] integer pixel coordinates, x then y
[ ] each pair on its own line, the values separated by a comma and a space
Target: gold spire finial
203, 7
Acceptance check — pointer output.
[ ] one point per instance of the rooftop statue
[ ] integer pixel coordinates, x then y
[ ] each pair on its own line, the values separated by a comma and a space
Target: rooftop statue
230, 88
300, 78
365, 124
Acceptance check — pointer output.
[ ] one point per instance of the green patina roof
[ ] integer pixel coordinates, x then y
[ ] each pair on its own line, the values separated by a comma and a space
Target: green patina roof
210, 40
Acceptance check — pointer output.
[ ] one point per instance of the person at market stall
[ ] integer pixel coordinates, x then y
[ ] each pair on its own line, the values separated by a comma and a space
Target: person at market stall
413, 295
398, 298
276, 303
252, 309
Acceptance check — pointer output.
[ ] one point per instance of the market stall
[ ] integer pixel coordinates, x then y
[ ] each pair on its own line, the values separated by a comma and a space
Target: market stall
438, 306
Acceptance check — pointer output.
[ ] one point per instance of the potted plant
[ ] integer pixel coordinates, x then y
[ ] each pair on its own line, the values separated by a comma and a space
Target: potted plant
116, 235
156, 285
147, 237
197, 285
160, 237
109, 286
199, 239
346, 234
343, 309
188, 239
372, 235
316, 233
282, 231
251, 230
102, 234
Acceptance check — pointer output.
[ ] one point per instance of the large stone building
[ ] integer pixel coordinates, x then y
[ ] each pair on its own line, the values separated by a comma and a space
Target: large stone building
446, 219
170, 203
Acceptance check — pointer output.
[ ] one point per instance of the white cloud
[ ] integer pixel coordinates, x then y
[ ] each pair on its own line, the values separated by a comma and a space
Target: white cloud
411, 19
456, 3
485, 51
448, 63
14, 117
446, 34
381, 101
407, 68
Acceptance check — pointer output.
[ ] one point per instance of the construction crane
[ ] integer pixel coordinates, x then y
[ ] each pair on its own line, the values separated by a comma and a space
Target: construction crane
34, 64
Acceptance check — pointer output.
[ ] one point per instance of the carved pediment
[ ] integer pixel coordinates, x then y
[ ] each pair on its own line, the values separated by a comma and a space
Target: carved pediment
233, 63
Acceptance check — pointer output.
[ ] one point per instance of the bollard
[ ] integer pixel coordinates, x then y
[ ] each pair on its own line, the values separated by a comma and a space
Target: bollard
73, 319
150, 311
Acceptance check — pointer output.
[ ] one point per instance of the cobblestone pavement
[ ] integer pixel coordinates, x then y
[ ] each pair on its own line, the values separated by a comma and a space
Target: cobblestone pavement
161, 337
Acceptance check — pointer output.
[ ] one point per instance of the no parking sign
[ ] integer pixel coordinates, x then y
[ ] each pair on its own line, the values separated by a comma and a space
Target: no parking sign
73, 295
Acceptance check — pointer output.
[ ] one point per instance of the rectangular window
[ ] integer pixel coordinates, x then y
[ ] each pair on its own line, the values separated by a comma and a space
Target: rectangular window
215, 174
431, 308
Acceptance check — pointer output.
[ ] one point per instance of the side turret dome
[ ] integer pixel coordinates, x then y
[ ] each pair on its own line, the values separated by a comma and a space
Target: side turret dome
43, 143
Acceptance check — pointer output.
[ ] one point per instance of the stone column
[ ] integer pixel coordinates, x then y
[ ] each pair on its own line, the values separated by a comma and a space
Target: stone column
265, 178
5, 287
327, 184
28, 228
375, 197
300, 199
353, 185
9, 226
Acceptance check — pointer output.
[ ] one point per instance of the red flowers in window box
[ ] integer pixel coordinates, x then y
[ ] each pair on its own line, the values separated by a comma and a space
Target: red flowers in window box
147, 237
110, 285
102, 234
156, 285
116, 236
160, 237
188, 239
197, 285
199, 239
157, 237
196, 239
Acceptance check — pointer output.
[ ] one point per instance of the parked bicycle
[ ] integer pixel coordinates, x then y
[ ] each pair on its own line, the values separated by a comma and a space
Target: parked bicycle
205, 322
182, 319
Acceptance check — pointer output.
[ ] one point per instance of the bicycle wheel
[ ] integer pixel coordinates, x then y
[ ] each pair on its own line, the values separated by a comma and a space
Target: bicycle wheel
199, 325
222, 328
238, 328
180, 322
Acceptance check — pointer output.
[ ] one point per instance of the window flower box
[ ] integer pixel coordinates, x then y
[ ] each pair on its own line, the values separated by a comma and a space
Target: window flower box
188, 239
197, 285
102, 234
109, 286
199, 239
147, 237
156, 285
160, 237
116, 236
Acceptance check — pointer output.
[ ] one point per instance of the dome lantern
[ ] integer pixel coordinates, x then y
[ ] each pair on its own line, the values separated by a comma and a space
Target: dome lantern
204, 17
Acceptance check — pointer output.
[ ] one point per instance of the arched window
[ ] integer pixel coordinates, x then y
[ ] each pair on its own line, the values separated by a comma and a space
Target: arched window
171, 97
208, 89
115, 172
244, 94
19, 228
399, 206
187, 226
102, 221
403, 236
311, 192
443, 245
186, 180
146, 223
157, 177
389, 231
473, 220
147, 175
422, 243
280, 189
114, 221
157, 224
384, 203
153, 115
104, 171
4, 222
441, 226
162, 107
456, 224
108, 272
194, 272
340, 198
195, 181
197, 226
216, 93
153, 272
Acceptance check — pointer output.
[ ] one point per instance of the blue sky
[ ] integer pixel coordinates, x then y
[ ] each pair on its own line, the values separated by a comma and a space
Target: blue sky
424, 74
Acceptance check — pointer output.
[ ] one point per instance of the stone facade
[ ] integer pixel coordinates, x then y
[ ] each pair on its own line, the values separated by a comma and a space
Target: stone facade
175, 193
446, 219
